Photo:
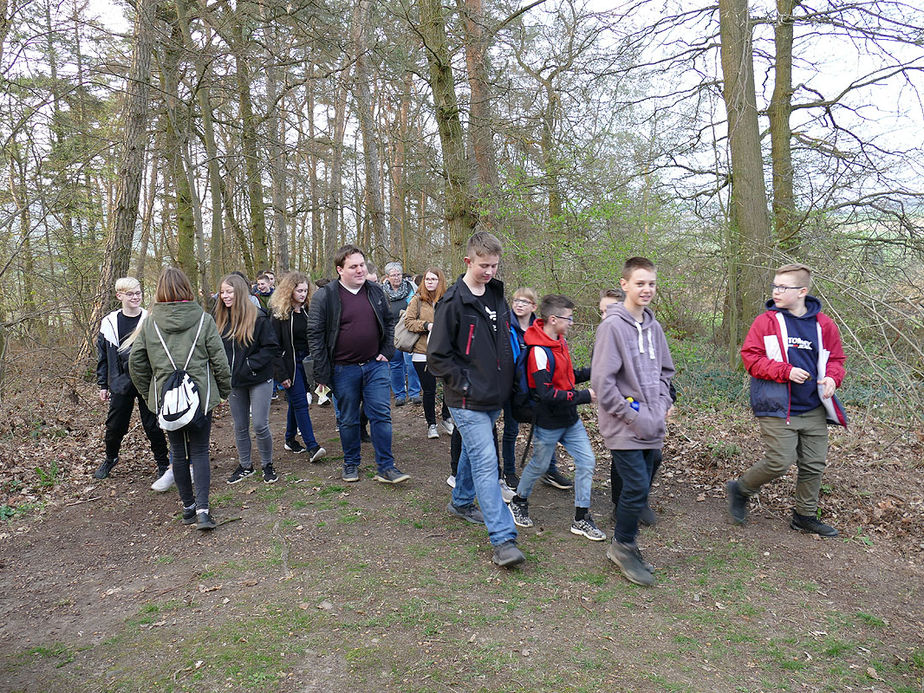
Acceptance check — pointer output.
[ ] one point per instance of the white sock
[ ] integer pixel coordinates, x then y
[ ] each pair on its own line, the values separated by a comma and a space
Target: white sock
203, 510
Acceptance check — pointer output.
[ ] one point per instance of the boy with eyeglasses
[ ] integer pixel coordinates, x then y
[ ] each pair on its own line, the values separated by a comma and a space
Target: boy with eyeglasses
551, 374
794, 356
116, 387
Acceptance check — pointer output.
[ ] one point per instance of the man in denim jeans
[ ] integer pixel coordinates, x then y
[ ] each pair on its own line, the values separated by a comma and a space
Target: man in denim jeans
351, 338
469, 348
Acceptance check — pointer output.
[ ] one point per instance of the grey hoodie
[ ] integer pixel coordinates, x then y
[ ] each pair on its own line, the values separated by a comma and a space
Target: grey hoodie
631, 359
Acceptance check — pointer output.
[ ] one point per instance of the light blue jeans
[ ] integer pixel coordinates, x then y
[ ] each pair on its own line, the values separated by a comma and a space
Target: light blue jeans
477, 473
575, 440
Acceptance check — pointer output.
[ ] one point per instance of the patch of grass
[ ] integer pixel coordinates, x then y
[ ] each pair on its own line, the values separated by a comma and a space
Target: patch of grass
331, 490
58, 651
220, 500
166, 559
49, 477
299, 505
870, 619
596, 579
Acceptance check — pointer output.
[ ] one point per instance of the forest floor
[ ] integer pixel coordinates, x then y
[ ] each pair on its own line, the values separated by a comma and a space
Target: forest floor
312, 584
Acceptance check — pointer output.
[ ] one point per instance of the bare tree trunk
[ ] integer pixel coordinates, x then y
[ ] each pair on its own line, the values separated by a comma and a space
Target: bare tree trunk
460, 215
750, 232
277, 156
131, 169
335, 186
784, 207
147, 220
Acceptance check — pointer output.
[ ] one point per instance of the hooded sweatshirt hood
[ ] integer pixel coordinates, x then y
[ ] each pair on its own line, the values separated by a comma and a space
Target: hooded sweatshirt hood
177, 316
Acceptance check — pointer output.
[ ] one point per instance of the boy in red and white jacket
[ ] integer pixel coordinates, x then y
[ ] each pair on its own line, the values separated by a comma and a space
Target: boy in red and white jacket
794, 356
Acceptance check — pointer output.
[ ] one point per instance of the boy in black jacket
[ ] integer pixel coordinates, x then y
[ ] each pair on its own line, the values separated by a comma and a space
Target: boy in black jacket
115, 385
469, 348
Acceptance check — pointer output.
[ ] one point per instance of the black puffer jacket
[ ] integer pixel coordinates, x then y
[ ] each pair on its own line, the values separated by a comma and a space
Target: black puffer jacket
253, 364
324, 327
475, 364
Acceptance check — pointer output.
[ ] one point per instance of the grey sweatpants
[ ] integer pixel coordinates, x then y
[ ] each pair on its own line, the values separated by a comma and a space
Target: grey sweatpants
247, 402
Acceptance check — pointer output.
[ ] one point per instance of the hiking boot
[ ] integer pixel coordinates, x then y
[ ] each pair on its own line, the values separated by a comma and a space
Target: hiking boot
809, 523
350, 474
647, 517
630, 562
448, 426
469, 513
507, 493
164, 481
587, 528
294, 446
189, 515
364, 436
391, 476
432, 431
316, 453
400, 402
558, 480
737, 503
269, 475
239, 474
520, 512
417, 400
451, 480
507, 555
103, 471
204, 521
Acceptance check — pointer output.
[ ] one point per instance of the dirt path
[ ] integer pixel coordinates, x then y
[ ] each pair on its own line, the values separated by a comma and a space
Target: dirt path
315, 585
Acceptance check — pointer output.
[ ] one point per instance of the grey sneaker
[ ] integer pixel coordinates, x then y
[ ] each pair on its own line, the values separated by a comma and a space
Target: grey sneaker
507, 493
587, 528
189, 515
350, 474
520, 512
507, 555
737, 503
448, 426
103, 470
808, 523
391, 476
469, 513
557, 479
630, 562
432, 431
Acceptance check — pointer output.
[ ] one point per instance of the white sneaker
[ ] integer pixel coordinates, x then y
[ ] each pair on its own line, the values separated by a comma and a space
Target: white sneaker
448, 426
164, 482
432, 432
451, 480
507, 493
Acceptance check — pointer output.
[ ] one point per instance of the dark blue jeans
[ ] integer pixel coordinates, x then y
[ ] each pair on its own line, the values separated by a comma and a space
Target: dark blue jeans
297, 418
635, 468
191, 446
369, 384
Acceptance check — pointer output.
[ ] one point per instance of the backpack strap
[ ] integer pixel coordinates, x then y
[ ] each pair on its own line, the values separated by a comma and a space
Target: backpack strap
195, 339
167, 351
163, 343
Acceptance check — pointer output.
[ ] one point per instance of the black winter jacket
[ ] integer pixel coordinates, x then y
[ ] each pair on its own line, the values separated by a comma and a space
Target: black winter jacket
253, 364
112, 364
324, 327
476, 365
285, 364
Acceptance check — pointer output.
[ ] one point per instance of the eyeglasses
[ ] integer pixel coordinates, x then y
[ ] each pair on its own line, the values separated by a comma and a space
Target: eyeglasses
779, 287
523, 302
569, 318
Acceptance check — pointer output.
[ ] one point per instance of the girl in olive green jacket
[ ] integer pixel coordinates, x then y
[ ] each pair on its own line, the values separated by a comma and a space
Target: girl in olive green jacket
180, 323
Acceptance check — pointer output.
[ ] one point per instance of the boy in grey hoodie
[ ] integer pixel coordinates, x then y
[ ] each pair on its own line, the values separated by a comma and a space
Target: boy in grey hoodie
631, 373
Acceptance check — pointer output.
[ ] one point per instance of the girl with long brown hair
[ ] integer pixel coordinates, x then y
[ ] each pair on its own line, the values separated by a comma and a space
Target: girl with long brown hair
252, 349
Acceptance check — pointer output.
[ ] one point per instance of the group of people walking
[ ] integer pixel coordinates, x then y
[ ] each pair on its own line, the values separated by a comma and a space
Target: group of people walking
478, 346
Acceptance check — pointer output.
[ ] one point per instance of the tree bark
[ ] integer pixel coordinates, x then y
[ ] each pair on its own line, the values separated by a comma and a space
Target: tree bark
785, 229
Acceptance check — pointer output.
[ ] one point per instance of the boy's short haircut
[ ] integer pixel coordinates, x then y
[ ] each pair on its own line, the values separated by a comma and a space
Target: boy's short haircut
371, 268
616, 294
126, 284
804, 273
553, 304
483, 243
527, 292
344, 252
264, 277
323, 281
634, 263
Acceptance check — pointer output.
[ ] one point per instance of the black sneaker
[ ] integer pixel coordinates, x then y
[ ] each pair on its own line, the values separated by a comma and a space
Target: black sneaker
205, 521
520, 512
391, 476
809, 523
400, 402
294, 446
316, 453
350, 474
513, 481
469, 513
103, 471
239, 474
737, 503
587, 528
269, 475
630, 562
416, 400
507, 554
189, 516
558, 480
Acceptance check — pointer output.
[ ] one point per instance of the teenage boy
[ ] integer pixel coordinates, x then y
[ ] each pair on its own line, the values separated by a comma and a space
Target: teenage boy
351, 336
469, 348
116, 387
631, 373
793, 354
264, 290
550, 373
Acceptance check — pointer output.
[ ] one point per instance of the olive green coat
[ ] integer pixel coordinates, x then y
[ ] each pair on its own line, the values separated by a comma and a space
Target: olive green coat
149, 366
